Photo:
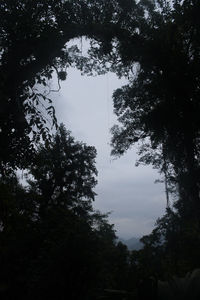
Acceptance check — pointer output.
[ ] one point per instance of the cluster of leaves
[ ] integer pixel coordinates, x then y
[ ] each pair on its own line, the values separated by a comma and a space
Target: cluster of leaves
171, 249
33, 37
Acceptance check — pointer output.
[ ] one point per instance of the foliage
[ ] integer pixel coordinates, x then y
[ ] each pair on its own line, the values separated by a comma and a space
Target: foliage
63, 174
33, 37
52, 243
160, 105
158, 109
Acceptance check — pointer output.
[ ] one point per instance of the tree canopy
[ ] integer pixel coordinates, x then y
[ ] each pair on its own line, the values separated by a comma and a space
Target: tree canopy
52, 242
33, 37
160, 105
156, 46
64, 173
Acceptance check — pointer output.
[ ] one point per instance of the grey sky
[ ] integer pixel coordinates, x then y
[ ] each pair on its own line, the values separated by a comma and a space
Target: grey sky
84, 105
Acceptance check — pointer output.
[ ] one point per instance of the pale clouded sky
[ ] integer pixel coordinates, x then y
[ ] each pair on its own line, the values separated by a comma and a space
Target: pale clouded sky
84, 105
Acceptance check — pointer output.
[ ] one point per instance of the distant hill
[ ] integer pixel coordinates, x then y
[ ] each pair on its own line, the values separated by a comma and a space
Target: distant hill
133, 243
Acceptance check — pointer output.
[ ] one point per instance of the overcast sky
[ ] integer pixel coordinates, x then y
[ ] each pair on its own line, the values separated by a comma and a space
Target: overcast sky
84, 105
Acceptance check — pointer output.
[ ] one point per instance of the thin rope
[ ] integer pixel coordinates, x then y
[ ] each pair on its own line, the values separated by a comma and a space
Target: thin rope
108, 108
81, 53
165, 177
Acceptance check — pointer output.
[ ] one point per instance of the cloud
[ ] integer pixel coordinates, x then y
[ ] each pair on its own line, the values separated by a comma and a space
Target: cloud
84, 104
132, 227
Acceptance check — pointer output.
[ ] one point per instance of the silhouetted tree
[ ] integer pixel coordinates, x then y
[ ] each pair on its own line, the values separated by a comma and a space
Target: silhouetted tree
156, 46
52, 242
64, 174
160, 103
33, 37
